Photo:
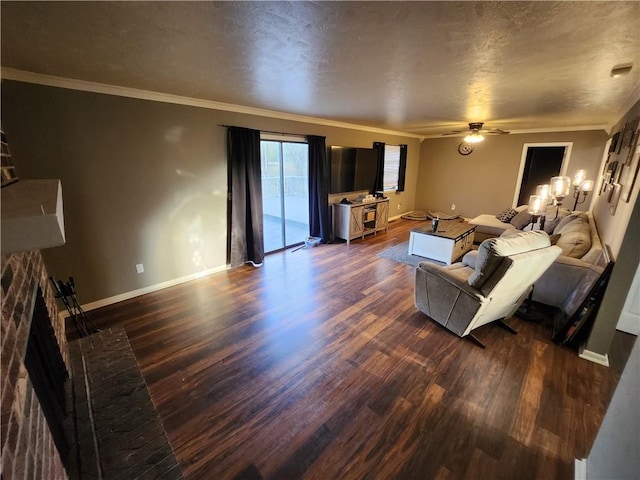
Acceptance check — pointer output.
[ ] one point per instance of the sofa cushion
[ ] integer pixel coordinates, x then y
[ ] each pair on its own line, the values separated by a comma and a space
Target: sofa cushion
575, 236
550, 226
553, 238
521, 220
568, 219
490, 225
506, 215
492, 251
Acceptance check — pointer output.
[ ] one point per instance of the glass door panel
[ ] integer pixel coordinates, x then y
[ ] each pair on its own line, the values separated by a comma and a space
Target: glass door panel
296, 192
285, 195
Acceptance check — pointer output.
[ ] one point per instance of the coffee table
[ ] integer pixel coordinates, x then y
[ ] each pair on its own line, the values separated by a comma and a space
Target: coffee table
452, 240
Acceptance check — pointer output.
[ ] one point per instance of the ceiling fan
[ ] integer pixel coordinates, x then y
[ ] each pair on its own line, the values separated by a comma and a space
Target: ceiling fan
476, 133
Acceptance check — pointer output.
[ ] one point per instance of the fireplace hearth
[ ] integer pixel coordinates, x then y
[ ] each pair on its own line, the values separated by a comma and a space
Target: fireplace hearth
112, 428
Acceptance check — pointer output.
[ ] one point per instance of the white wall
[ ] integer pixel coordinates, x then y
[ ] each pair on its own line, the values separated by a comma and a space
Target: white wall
630, 319
615, 452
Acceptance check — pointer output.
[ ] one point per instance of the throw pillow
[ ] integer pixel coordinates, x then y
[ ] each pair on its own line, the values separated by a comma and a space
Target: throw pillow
550, 225
521, 220
506, 215
575, 237
568, 219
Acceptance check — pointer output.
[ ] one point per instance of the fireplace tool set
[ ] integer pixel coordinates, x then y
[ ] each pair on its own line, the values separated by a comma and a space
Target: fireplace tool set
67, 292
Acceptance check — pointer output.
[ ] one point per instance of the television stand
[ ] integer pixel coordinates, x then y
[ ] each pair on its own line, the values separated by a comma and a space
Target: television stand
358, 219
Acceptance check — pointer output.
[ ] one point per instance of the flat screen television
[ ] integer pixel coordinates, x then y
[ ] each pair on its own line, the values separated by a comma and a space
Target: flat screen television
353, 169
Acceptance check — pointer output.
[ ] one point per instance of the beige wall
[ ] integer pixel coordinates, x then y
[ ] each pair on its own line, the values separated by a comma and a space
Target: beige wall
143, 181
614, 226
620, 231
486, 180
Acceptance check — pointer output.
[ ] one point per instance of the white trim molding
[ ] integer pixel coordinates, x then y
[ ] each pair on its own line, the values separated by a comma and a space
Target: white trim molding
568, 146
593, 356
62, 314
106, 89
580, 469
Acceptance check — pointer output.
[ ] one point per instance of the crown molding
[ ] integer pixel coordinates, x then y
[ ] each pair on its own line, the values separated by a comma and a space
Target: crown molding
634, 97
106, 89
581, 128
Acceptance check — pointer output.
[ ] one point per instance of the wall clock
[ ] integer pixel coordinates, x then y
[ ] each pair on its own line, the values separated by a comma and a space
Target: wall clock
465, 148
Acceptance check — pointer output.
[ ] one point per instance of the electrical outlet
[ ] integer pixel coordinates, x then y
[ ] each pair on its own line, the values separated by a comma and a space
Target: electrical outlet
399, 206
453, 206
139, 268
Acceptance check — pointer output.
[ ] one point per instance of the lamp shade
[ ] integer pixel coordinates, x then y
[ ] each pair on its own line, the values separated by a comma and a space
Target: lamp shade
535, 205
586, 186
579, 177
560, 186
543, 192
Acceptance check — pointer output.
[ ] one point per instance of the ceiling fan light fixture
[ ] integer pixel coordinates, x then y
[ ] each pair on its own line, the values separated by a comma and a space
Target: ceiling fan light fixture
474, 137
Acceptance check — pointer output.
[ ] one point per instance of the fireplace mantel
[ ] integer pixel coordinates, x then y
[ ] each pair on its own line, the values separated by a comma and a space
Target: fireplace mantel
32, 216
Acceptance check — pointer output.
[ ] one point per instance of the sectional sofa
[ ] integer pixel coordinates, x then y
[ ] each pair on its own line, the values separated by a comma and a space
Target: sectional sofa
574, 232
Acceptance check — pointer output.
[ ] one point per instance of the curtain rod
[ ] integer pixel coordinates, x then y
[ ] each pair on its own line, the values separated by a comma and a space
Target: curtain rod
269, 131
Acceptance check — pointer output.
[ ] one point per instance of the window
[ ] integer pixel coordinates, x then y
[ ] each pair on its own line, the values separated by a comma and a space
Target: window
395, 163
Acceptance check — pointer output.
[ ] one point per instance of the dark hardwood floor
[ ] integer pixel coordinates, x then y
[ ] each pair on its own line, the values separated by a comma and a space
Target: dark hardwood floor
318, 366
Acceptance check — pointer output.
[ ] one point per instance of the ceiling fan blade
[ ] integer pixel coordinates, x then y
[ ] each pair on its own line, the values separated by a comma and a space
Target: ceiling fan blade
494, 131
476, 127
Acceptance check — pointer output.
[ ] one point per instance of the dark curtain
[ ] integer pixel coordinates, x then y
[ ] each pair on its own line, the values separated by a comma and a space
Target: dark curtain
319, 178
403, 167
246, 232
379, 148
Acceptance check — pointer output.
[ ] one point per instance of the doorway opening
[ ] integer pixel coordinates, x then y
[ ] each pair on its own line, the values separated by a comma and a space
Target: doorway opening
285, 192
540, 162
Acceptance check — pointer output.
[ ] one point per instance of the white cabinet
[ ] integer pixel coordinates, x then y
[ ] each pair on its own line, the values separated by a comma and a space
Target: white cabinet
355, 220
382, 215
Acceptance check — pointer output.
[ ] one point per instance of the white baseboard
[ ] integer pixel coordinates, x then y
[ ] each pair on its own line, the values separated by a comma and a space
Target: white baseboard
580, 469
593, 356
629, 322
142, 291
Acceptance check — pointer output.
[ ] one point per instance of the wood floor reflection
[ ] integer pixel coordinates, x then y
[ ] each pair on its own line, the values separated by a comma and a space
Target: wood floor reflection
318, 366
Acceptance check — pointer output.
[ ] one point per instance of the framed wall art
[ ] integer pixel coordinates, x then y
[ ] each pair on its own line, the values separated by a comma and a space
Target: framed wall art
632, 146
629, 132
615, 142
613, 171
620, 140
615, 198
630, 175
7, 170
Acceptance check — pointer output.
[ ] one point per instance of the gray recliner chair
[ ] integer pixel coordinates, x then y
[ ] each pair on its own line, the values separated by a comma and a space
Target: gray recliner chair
488, 285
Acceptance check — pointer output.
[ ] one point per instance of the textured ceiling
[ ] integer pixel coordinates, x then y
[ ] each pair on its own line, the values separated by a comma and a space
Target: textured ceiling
422, 67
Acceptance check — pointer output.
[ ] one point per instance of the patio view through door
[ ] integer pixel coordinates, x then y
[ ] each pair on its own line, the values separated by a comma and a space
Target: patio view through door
285, 193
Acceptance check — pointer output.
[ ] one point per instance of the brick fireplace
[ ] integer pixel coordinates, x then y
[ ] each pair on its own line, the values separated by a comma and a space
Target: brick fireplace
28, 449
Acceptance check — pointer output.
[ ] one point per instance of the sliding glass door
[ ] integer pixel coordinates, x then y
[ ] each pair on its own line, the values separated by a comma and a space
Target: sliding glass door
285, 193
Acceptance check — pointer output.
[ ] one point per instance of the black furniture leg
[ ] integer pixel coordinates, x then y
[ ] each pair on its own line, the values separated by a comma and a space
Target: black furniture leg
475, 340
527, 311
506, 326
